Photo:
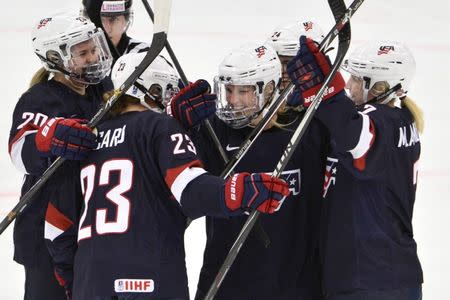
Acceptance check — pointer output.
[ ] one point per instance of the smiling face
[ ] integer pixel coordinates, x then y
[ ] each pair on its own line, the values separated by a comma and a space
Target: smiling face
83, 54
240, 96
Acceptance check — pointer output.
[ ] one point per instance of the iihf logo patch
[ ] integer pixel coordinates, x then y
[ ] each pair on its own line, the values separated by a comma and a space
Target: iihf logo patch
385, 49
308, 26
43, 22
134, 285
330, 174
260, 51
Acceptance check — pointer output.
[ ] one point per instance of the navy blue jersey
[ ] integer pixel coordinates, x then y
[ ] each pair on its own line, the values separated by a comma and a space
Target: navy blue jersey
367, 238
139, 186
39, 103
284, 269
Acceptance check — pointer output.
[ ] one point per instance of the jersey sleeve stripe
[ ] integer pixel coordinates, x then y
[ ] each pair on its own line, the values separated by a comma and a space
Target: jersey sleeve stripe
55, 223
366, 138
15, 149
178, 178
360, 163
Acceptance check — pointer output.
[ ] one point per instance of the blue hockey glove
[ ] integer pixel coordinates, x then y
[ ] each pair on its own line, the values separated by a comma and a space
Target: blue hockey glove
193, 104
245, 191
308, 70
67, 138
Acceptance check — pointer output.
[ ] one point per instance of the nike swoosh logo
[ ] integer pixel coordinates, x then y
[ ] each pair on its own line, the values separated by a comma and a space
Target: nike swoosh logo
229, 148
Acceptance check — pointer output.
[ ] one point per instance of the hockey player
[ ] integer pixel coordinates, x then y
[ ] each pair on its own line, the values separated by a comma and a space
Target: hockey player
116, 17
73, 51
247, 82
140, 184
367, 246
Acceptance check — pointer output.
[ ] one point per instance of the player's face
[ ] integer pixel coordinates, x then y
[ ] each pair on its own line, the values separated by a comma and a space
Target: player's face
355, 88
241, 96
284, 76
114, 27
84, 54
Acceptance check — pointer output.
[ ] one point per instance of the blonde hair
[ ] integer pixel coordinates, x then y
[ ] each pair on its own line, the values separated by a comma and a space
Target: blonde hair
416, 112
406, 102
121, 103
40, 76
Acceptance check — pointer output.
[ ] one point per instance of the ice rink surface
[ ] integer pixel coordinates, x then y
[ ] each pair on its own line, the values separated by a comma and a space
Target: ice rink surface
201, 33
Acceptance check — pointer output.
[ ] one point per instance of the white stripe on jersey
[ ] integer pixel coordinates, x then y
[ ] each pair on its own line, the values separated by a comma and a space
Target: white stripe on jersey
51, 232
365, 138
16, 152
137, 47
183, 180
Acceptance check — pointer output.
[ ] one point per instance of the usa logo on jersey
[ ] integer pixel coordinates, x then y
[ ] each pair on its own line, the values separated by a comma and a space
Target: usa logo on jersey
293, 179
330, 174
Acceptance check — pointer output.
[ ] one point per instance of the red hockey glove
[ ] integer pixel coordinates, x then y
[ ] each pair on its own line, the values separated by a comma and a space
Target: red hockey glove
193, 104
308, 70
67, 138
244, 191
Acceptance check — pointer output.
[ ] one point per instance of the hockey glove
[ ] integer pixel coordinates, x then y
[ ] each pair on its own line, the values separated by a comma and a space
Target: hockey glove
245, 191
67, 138
308, 70
193, 104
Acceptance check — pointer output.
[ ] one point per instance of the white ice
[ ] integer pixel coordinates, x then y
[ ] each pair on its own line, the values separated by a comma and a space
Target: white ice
201, 33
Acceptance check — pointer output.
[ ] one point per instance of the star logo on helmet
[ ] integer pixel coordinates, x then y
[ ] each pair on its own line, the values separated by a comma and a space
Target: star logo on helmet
385, 49
43, 22
308, 26
260, 51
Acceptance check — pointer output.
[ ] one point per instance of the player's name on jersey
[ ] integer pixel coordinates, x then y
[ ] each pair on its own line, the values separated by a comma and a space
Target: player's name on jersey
111, 137
405, 139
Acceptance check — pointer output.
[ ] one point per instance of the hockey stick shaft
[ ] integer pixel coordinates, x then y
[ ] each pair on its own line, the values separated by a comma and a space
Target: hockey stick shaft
342, 17
158, 41
185, 81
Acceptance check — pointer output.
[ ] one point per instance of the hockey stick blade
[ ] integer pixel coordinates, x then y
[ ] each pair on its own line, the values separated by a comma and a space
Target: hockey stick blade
343, 30
160, 28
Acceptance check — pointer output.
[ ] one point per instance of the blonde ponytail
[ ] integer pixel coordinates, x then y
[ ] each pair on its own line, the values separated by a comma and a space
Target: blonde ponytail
416, 111
41, 75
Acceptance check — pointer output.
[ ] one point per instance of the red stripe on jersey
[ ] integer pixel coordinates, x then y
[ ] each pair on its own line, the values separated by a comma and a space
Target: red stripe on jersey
360, 163
26, 128
57, 219
172, 174
58, 277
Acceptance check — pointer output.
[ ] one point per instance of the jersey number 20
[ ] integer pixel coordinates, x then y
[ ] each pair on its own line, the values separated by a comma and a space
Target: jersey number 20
115, 195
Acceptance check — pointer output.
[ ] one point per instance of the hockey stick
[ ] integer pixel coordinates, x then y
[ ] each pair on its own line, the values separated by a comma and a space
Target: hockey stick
159, 37
342, 29
274, 106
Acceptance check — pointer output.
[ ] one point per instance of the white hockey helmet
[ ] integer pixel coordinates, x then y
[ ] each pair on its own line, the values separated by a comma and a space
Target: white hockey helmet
159, 81
285, 38
382, 61
252, 65
72, 45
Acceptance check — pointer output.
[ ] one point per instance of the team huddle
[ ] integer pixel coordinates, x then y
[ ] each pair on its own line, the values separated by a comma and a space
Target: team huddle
335, 225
